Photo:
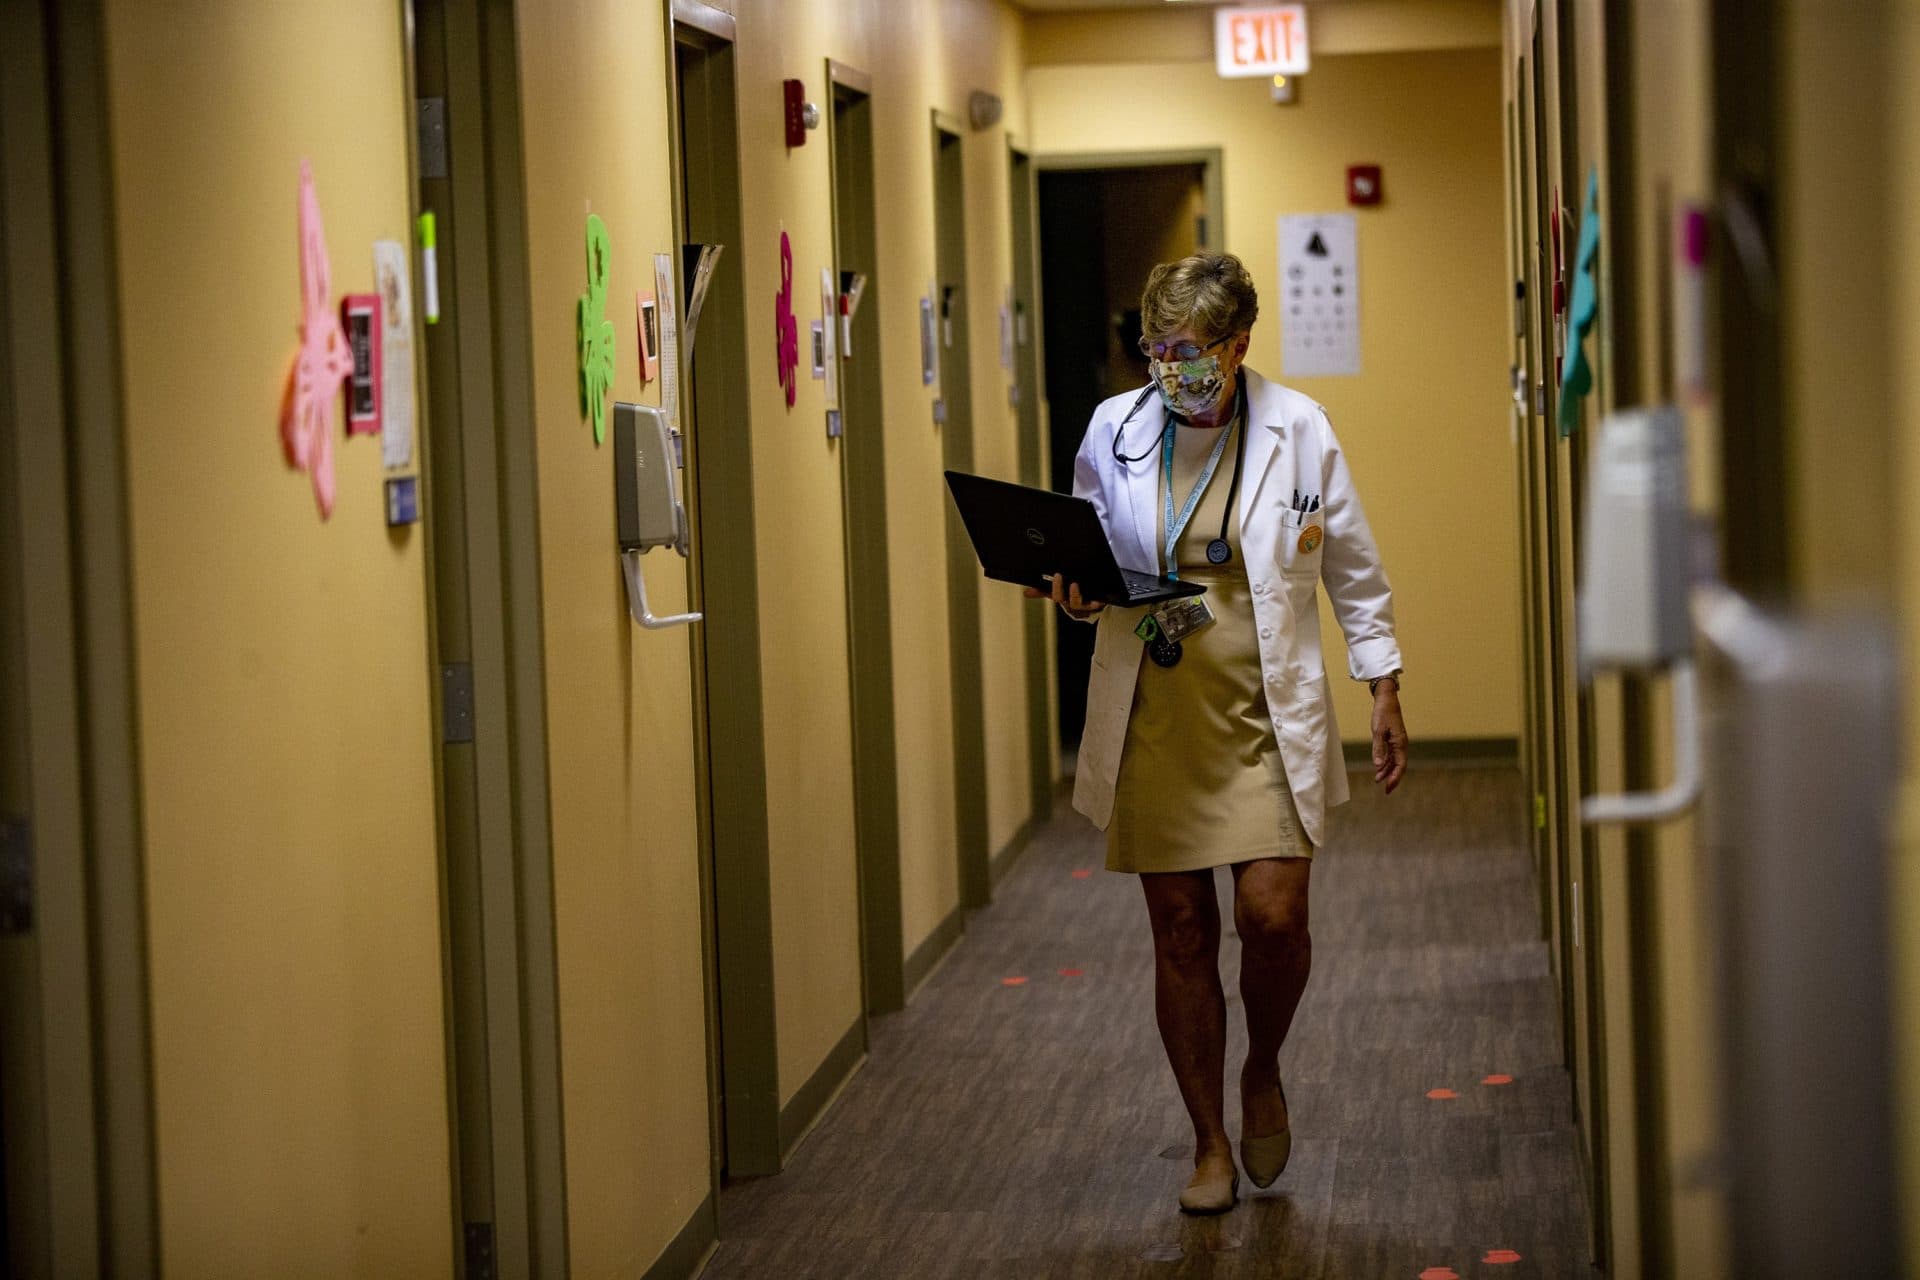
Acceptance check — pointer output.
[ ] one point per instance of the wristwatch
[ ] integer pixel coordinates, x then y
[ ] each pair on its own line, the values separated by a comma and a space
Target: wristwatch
1373, 685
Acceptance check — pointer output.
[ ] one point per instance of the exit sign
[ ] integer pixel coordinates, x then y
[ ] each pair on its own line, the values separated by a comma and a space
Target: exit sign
1270, 40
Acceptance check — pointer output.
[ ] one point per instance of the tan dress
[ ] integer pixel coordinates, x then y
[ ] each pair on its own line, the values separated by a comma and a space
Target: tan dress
1201, 780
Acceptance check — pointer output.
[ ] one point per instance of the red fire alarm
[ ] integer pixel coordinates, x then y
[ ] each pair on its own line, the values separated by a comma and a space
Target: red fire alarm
1363, 184
794, 93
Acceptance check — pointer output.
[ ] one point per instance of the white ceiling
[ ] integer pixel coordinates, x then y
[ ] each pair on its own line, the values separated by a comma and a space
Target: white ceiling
1061, 6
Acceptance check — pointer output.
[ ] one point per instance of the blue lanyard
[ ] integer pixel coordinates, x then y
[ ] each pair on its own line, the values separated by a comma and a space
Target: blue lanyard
1174, 530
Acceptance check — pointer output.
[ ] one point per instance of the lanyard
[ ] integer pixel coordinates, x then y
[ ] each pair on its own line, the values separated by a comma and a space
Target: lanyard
1175, 528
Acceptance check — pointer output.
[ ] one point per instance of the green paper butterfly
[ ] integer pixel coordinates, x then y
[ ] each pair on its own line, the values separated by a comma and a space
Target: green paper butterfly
596, 331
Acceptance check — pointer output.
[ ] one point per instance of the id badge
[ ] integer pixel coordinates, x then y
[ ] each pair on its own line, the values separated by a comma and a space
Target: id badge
1181, 618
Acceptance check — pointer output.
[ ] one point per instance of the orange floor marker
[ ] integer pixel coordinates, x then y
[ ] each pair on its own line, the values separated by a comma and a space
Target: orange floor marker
1497, 1080
1498, 1256
1073, 973
1441, 1095
1439, 1273
1082, 874
1013, 982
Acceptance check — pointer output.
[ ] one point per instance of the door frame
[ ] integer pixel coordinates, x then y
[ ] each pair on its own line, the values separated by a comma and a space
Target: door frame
1023, 181
863, 472
954, 411
478, 455
1212, 162
79, 1105
729, 715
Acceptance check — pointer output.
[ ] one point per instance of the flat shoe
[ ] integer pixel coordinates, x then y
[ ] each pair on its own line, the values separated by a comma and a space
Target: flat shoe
1215, 1195
1265, 1159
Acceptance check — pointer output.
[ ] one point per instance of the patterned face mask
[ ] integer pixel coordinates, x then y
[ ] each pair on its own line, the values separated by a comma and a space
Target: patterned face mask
1189, 387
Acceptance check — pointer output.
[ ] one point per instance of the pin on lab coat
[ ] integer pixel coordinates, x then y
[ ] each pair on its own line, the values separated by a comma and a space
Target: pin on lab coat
1290, 445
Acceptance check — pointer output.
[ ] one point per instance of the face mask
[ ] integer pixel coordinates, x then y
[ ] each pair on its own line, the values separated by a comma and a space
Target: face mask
1189, 387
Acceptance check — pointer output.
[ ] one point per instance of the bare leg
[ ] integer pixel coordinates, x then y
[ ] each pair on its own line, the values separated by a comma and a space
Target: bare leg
1276, 954
1188, 1001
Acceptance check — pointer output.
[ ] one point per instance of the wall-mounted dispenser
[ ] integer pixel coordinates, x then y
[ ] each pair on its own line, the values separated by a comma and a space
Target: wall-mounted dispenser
1635, 607
646, 461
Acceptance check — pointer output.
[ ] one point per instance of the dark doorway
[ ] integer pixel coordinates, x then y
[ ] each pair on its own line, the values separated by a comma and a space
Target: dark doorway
1101, 231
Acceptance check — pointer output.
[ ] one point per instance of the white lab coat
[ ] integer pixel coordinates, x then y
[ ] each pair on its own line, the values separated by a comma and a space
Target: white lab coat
1290, 445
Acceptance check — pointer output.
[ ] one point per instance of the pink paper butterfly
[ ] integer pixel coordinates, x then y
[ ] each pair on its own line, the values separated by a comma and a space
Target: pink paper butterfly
786, 327
306, 410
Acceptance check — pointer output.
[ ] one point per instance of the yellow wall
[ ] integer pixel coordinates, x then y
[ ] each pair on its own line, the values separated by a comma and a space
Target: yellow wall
1425, 423
930, 54
619, 700
284, 719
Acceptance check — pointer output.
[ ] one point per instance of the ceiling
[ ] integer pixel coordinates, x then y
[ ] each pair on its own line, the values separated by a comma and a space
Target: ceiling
1063, 6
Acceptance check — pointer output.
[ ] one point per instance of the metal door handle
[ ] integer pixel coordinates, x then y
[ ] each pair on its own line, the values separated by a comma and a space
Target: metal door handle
637, 598
1679, 795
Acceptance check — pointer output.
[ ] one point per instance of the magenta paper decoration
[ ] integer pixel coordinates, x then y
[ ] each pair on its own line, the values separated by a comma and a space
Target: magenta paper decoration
785, 327
306, 410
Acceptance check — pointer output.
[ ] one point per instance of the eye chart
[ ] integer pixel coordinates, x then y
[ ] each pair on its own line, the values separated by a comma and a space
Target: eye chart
1319, 295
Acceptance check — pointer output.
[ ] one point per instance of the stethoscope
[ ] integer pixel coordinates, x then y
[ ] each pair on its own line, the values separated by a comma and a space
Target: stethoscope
1218, 550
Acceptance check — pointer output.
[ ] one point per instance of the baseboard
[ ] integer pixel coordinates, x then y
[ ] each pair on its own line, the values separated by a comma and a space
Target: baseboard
1002, 862
928, 955
799, 1115
686, 1254
1458, 753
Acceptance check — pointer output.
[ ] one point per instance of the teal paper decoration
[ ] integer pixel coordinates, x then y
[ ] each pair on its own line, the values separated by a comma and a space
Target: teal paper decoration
1577, 378
596, 331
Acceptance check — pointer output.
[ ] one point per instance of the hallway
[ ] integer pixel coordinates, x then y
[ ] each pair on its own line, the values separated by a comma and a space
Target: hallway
1033, 1130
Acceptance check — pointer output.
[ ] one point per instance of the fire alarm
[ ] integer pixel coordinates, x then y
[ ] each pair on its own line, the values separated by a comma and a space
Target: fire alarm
1363, 184
801, 115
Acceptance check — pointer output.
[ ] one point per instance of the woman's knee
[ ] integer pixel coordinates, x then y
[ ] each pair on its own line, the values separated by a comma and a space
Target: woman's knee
1187, 936
1275, 922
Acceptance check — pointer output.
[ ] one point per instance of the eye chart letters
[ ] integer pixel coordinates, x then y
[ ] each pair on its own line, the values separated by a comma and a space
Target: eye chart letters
1319, 295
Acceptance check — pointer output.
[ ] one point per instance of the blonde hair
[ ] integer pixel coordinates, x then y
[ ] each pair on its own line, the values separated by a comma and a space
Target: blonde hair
1210, 294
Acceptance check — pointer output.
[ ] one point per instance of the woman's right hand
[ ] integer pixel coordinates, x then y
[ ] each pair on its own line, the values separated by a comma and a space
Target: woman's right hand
1067, 596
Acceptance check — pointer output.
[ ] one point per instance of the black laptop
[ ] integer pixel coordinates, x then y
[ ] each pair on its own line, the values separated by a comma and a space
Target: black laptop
1022, 535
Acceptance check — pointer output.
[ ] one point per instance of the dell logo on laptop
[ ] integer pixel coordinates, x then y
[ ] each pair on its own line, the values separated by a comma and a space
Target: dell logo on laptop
1036, 537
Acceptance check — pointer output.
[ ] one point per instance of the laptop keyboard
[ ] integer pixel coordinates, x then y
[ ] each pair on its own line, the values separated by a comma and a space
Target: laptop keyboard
1139, 584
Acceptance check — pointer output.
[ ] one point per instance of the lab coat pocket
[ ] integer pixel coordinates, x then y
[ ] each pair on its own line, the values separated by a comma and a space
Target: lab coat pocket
1302, 536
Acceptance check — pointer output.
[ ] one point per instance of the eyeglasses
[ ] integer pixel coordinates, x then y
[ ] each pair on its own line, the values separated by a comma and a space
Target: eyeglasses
1179, 350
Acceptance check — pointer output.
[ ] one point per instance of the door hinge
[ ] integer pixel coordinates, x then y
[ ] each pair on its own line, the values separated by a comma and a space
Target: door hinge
16, 877
431, 120
1539, 812
480, 1251
456, 702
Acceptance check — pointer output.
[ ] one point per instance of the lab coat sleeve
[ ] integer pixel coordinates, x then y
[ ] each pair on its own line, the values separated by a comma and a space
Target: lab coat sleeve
1351, 571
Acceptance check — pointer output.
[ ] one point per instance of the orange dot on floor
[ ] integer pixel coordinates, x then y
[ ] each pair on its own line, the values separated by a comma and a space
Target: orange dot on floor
1013, 982
1082, 874
1497, 1256
1497, 1080
1441, 1095
1439, 1273
1073, 973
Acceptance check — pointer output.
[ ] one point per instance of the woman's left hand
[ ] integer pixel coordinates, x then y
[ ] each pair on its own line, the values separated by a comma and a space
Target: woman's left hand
1389, 738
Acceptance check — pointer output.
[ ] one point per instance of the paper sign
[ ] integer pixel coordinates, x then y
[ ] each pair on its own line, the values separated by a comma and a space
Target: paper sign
396, 353
1319, 295
829, 312
306, 408
1265, 40
668, 300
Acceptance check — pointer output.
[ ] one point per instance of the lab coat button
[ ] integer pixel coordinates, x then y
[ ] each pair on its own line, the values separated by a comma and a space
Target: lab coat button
1266, 633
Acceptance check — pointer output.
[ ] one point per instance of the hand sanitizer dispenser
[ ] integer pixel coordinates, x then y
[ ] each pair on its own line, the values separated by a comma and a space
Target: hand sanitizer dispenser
647, 501
1634, 609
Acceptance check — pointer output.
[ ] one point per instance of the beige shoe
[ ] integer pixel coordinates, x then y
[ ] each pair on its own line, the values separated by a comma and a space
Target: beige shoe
1210, 1194
1265, 1159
